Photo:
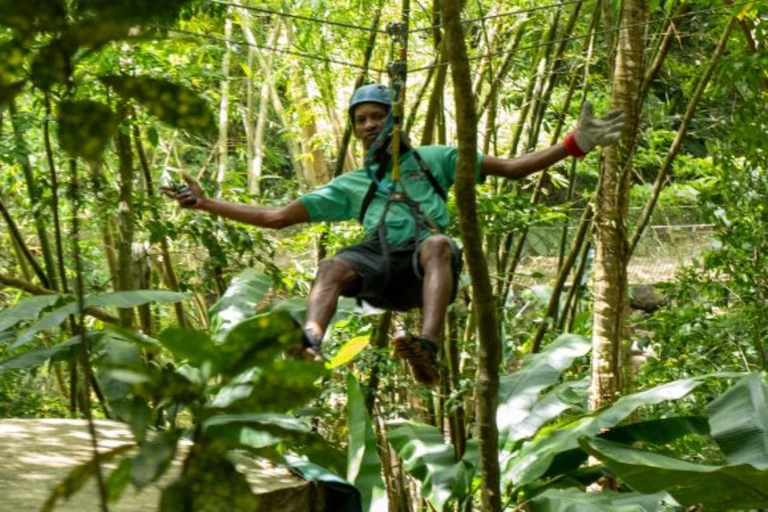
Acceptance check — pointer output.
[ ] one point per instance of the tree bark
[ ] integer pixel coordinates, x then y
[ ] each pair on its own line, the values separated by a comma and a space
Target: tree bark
125, 219
611, 305
489, 353
223, 142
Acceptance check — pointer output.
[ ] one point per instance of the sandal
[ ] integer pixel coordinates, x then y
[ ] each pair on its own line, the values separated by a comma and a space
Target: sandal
421, 355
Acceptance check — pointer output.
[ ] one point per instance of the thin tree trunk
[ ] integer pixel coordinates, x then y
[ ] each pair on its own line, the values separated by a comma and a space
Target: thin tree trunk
611, 250
54, 194
361, 78
224, 104
19, 240
22, 156
489, 353
125, 219
674, 149
550, 317
165, 253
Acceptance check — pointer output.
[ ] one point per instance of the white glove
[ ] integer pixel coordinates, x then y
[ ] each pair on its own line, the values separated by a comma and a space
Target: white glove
593, 132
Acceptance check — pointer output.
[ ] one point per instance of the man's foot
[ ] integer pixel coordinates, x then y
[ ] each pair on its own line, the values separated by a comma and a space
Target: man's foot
309, 350
421, 355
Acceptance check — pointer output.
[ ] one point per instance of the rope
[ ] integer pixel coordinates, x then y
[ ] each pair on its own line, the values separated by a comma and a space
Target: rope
298, 16
278, 50
584, 36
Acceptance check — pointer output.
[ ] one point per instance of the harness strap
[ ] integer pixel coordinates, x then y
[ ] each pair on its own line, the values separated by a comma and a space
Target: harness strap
374, 187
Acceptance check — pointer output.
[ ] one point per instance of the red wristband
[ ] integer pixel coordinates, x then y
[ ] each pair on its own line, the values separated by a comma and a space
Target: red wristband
573, 149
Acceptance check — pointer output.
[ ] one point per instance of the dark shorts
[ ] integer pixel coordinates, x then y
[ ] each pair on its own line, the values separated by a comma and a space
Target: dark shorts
399, 289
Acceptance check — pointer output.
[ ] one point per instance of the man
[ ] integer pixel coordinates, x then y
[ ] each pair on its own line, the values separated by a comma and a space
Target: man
405, 261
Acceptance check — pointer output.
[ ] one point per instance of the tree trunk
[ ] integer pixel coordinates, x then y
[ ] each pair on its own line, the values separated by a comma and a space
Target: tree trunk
125, 219
22, 156
224, 105
611, 305
489, 353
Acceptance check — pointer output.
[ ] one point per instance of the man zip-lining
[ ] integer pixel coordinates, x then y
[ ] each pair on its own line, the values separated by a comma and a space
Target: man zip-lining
406, 260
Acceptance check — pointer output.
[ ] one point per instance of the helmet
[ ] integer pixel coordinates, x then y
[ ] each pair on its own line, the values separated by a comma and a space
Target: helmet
372, 93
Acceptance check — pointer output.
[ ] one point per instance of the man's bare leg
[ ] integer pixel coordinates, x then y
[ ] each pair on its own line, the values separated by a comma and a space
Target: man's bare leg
334, 277
435, 257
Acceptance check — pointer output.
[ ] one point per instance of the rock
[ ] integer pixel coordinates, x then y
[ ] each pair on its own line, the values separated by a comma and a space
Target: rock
37, 454
645, 298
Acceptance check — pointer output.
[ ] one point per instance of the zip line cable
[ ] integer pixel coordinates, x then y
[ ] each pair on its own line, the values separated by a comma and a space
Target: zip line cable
712, 10
304, 55
299, 17
503, 15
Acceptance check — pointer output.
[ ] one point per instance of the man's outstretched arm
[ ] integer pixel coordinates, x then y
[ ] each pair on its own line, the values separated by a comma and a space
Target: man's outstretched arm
590, 133
192, 197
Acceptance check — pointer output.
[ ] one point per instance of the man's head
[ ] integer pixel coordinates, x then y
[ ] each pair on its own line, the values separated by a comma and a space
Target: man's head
368, 109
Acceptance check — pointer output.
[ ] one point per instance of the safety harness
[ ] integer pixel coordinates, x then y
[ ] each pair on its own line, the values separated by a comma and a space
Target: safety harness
386, 149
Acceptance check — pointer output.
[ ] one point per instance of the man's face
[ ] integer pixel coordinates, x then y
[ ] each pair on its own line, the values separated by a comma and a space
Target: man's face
369, 119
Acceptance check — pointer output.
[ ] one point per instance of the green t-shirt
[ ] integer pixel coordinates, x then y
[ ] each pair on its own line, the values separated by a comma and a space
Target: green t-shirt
342, 198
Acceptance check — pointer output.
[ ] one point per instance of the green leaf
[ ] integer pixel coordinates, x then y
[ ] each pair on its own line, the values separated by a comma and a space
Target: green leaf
519, 391
154, 458
430, 460
48, 320
533, 460
52, 64
133, 298
286, 385
33, 15
348, 351
26, 309
79, 476
548, 407
172, 103
363, 466
38, 357
136, 11
85, 128
239, 301
717, 487
188, 345
658, 432
136, 412
118, 480
739, 422
574, 500
258, 341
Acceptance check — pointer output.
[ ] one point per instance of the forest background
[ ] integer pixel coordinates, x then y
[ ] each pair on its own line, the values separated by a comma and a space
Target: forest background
117, 304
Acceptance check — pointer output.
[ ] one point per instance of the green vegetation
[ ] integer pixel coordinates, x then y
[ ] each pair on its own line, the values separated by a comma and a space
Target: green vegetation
116, 304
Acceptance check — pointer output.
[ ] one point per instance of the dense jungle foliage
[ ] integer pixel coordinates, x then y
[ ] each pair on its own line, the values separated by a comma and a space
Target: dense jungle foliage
117, 304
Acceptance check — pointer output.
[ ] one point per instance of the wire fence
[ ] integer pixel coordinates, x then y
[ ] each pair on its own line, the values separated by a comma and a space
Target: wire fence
673, 238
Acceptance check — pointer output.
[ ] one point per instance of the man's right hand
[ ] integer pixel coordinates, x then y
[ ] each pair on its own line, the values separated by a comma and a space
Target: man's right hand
190, 195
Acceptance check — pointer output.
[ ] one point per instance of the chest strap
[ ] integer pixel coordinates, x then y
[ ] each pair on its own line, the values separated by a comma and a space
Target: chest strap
380, 175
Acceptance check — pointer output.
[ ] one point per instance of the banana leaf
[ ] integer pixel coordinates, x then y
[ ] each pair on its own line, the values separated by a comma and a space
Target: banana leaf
536, 457
739, 422
574, 500
363, 464
239, 301
519, 391
731, 487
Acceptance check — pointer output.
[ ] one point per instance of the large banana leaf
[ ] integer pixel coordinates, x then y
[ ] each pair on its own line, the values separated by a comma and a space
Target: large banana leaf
535, 458
257, 342
739, 422
117, 299
430, 460
519, 391
363, 464
26, 309
38, 357
239, 301
548, 407
717, 487
574, 500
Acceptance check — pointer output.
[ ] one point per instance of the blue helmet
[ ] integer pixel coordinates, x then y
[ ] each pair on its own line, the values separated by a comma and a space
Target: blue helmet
372, 93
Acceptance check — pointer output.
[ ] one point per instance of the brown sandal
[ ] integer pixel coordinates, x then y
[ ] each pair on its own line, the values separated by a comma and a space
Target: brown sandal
421, 355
